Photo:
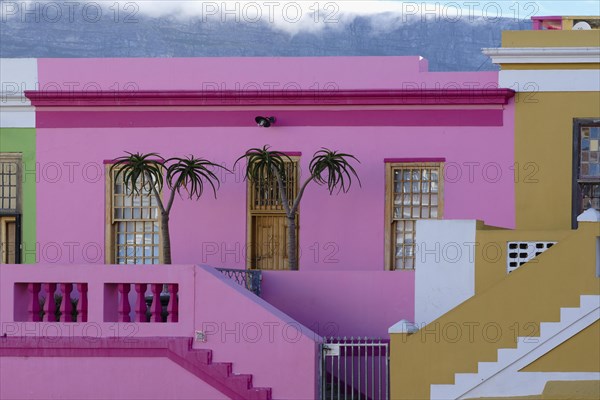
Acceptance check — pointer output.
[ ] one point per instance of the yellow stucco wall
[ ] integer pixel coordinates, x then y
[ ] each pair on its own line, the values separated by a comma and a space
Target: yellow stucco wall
581, 353
543, 152
572, 390
476, 329
551, 38
491, 252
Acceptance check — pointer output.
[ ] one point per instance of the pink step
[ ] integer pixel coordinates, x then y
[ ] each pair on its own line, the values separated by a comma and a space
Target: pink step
179, 350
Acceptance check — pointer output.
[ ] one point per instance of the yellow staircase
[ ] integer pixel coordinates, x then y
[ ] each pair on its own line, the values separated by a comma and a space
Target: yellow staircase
494, 319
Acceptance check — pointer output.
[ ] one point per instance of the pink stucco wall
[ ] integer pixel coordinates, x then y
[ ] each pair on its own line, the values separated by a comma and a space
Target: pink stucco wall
333, 236
240, 327
342, 303
249, 73
14, 300
340, 233
35, 378
336, 232
280, 351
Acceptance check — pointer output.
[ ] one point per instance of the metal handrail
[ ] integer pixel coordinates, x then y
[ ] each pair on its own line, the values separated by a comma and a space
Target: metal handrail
250, 279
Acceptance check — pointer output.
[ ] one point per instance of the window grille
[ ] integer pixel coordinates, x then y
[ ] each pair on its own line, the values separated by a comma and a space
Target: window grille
416, 194
264, 192
10, 208
135, 224
521, 252
9, 184
588, 176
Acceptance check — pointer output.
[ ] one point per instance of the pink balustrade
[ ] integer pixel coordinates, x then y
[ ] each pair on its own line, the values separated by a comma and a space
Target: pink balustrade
143, 294
124, 302
101, 298
42, 308
42, 302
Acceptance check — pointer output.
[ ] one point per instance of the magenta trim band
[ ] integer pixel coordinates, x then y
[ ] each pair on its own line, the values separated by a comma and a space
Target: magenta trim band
414, 160
292, 153
285, 118
272, 97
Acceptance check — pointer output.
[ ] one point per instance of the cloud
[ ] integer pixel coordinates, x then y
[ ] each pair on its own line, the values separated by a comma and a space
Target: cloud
314, 16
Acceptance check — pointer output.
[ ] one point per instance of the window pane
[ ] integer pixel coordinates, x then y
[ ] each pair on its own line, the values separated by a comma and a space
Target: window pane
419, 199
264, 192
585, 144
9, 183
141, 247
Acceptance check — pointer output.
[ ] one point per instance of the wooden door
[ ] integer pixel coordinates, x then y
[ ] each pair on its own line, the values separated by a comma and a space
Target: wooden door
270, 242
267, 222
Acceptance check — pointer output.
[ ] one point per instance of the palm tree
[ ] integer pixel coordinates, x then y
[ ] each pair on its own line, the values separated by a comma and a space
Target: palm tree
145, 172
327, 167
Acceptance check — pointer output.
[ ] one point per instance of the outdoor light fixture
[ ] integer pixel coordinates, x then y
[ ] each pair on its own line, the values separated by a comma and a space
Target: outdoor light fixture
265, 122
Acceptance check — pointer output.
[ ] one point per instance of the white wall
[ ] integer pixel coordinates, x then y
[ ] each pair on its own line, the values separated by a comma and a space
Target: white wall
16, 76
445, 267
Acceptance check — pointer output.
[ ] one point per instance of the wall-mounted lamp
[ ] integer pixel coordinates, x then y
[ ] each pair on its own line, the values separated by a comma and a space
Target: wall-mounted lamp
265, 122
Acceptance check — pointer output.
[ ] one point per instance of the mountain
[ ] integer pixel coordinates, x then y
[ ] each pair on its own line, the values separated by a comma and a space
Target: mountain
449, 46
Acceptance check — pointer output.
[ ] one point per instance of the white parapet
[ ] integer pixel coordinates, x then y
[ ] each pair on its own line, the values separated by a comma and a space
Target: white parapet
16, 76
589, 215
444, 266
403, 326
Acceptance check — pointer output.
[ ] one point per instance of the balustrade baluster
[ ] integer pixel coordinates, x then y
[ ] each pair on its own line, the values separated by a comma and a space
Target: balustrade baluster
33, 308
50, 303
156, 306
66, 307
124, 307
140, 302
82, 304
173, 306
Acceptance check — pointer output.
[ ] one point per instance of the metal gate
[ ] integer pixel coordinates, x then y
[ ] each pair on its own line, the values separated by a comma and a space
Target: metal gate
355, 368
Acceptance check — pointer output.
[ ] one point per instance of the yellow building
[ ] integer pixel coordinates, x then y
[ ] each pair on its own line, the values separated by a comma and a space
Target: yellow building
524, 321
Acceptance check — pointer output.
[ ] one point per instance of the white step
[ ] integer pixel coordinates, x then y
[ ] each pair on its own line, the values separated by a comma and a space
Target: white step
569, 314
590, 301
552, 334
485, 367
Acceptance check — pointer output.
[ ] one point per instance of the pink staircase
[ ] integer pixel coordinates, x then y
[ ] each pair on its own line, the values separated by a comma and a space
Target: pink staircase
179, 350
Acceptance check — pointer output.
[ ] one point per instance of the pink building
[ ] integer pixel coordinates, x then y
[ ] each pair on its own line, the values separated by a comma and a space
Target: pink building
430, 145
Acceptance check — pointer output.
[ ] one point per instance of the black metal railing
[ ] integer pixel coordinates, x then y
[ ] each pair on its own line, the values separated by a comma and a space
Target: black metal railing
250, 279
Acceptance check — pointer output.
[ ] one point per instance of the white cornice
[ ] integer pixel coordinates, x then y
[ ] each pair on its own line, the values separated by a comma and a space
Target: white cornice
550, 80
16, 111
543, 55
14, 100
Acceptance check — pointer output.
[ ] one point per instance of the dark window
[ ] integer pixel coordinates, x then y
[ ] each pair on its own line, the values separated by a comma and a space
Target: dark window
586, 166
10, 208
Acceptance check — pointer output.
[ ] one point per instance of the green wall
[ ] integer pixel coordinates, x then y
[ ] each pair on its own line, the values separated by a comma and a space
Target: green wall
22, 140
